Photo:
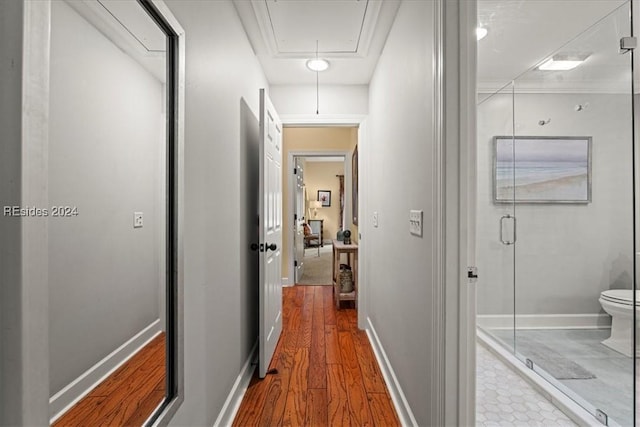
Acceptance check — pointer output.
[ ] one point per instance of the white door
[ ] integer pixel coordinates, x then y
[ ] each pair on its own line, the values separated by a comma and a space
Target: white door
270, 231
298, 229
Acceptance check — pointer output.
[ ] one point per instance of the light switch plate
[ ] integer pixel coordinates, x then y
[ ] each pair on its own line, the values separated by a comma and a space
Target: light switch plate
375, 219
138, 220
415, 222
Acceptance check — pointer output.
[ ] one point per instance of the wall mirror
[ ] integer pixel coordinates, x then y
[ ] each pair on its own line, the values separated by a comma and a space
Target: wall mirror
112, 164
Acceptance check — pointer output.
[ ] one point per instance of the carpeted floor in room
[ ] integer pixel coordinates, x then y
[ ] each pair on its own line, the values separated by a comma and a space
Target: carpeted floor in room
317, 269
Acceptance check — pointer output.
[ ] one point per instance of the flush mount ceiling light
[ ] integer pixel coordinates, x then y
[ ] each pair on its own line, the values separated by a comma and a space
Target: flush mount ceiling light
481, 33
563, 62
317, 64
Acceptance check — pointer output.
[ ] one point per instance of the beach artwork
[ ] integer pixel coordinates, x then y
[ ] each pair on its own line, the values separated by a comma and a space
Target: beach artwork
542, 170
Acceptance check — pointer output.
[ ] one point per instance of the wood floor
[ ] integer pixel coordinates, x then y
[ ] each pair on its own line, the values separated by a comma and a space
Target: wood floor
128, 396
327, 373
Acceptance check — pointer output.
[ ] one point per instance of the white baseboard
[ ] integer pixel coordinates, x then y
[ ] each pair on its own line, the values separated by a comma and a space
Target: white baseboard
287, 282
557, 398
234, 399
545, 321
397, 395
63, 400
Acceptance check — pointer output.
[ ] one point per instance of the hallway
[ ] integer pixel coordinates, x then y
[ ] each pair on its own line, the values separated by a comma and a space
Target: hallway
327, 372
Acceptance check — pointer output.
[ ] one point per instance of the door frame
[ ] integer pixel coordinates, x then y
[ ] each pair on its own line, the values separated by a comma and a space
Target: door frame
455, 89
342, 120
291, 190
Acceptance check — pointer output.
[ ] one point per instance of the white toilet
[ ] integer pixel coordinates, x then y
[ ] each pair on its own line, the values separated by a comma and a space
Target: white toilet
618, 303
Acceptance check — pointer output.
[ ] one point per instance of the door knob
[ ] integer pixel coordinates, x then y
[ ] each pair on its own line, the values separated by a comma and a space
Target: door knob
254, 246
271, 246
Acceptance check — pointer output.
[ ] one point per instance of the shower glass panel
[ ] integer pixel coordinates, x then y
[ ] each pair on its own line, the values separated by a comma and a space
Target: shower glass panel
574, 199
496, 221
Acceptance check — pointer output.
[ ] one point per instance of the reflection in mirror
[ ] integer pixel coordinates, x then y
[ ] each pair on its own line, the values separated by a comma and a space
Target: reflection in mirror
107, 239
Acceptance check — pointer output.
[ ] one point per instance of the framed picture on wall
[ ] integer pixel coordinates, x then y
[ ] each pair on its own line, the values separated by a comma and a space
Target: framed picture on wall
324, 196
537, 169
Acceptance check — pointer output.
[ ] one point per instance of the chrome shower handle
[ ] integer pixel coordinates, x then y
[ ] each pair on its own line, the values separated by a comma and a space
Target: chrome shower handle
502, 218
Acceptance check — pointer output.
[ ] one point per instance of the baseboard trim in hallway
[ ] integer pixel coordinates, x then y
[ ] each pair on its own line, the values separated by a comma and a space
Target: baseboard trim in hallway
232, 404
66, 398
403, 410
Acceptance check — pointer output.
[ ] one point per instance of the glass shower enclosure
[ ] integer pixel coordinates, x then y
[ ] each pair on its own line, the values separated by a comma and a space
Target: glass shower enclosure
557, 218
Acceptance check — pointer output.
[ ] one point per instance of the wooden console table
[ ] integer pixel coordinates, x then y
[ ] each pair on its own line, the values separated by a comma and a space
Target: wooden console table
352, 252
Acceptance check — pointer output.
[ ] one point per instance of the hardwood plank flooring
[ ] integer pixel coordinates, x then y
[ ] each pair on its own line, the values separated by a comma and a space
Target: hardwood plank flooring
128, 396
327, 373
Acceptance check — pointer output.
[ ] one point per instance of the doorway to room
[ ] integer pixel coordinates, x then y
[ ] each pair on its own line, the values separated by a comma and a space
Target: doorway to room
319, 216
320, 186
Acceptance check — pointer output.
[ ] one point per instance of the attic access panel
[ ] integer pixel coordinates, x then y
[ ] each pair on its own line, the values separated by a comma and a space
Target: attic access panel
296, 25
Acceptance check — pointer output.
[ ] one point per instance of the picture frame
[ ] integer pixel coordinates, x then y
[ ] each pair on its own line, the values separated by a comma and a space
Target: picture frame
542, 169
324, 196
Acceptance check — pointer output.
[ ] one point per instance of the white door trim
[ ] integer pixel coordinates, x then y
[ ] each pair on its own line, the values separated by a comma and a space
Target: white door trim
338, 120
456, 86
291, 190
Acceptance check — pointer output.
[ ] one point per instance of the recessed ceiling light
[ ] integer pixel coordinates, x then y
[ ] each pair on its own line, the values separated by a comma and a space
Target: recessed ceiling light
481, 33
317, 64
562, 62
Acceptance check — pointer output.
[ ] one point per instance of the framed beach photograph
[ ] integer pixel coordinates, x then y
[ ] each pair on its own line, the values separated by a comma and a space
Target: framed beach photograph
324, 196
536, 169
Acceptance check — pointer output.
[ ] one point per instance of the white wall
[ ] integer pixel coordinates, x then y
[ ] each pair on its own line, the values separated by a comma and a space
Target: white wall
24, 84
106, 139
400, 145
333, 99
565, 255
11, 17
223, 78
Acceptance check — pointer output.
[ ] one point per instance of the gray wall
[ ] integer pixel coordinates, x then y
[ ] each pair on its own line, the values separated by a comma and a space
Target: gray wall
10, 158
24, 84
400, 145
565, 254
106, 135
219, 297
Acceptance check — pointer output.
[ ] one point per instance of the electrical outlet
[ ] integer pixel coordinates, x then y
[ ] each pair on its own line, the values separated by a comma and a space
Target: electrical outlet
375, 219
138, 220
415, 222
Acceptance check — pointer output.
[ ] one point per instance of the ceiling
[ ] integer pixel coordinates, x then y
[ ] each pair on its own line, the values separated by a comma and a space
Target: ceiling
351, 35
324, 158
524, 32
130, 28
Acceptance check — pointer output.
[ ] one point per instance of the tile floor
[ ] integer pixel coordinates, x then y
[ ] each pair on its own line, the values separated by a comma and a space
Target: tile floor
504, 399
611, 389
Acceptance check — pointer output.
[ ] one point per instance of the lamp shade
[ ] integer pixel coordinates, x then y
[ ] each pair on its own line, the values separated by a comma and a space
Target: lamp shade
315, 204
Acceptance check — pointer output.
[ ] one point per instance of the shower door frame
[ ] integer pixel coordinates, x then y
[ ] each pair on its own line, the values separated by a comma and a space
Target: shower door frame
543, 376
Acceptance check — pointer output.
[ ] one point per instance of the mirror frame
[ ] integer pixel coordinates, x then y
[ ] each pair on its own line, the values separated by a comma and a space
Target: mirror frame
24, 294
175, 85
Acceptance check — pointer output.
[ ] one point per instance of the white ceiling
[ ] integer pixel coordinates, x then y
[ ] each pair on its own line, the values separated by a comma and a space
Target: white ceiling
324, 159
524, 32
129, 27
351, 35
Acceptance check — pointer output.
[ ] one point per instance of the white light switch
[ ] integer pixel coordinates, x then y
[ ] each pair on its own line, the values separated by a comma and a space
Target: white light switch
375, 219
415, 222
138, 220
